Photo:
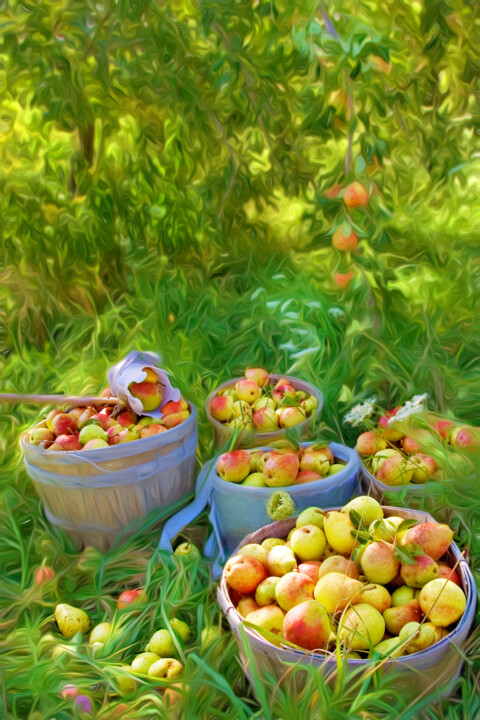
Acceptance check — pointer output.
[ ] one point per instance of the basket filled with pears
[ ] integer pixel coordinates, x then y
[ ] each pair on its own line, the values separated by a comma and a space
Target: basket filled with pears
380, 587
261, 408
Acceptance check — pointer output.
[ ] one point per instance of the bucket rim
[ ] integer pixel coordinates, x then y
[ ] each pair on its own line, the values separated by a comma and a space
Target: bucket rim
98, 454
275, 434
468, 585
326, 483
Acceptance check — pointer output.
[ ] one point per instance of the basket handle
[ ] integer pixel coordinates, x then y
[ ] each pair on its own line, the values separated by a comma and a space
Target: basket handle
202, 495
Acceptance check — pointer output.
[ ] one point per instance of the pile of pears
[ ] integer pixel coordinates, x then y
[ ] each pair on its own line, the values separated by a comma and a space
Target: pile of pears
157, 661
380, 586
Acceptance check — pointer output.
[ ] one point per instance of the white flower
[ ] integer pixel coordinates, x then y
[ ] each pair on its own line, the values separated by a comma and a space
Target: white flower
358, 414
411, 407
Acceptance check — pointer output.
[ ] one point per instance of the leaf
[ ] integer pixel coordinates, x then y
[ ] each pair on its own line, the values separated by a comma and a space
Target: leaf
406, 524
362, 536
356, 519
406, 554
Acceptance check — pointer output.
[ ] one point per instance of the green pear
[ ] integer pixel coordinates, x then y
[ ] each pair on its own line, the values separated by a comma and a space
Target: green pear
143, 661
71, 620
162, 644
100, 633
367, 507
181, 628
311, 516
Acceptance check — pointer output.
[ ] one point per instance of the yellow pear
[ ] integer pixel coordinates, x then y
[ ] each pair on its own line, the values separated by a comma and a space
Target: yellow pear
338, 529
71, 620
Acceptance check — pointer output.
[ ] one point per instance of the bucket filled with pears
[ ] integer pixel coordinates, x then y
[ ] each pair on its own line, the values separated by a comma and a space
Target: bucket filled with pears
381, 586
98, 469
411, 457
244, 481
260, 408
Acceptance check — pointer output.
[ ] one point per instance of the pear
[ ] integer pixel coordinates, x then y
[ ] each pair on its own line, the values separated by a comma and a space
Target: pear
338, 529
387, 529
380, 456
402, 595
396, 617
419, 637
162, 644
420, 572
389, 648
181, 628
71, 620
142, 662
434, 539
442, 602
100, 633
281, 560
379, 563
361, 627
368, 508
335, 591
311, 516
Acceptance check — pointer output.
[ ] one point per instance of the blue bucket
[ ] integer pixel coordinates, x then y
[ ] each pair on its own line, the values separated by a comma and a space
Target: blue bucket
237, 510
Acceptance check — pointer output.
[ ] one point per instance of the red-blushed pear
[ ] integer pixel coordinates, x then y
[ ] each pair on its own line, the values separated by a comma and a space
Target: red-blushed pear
335, 591
355, 195
173, 419
106, 392
410, 446
443, 427
465, 438
265, 420
244, 573
398, 616
247, 390
311, 568
114, 434
153, 429
307, 476
342, 280
105, 418
420, 572
221, 408
442, 602
67, 442
270, 618
126, 418
315, 461
76, 412
291, 416
338, 564
292, 589
423, 467
86, 415
63, 424
265, 592
377, 596
307, 625
434, 539
325, 450
338, 529
247, 605
258, 375
308, 542
370, 442
379, 563
281, 470
379, 458
344, 239
234, 466
95, 444
150, 394
128, 598
50, 416
174, 407
41, 434
389, 433
282, 392
281, 560
255, 550
448, 573
395, 470
361, 627
44, 574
